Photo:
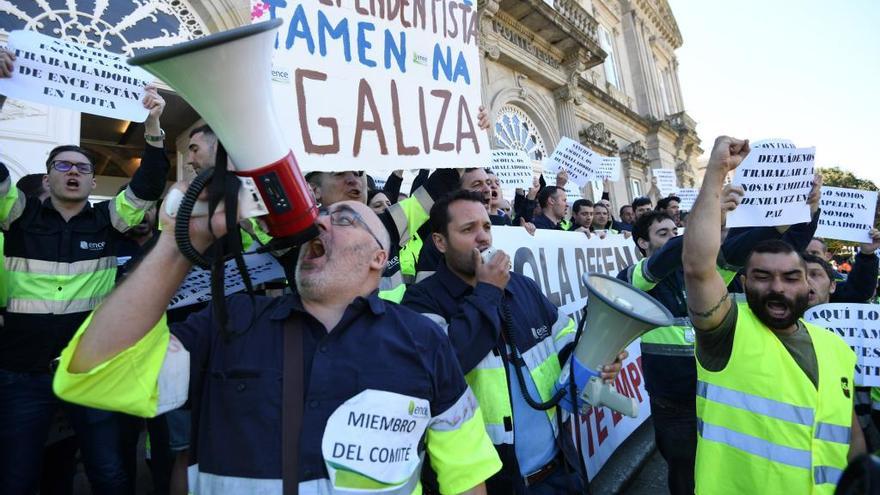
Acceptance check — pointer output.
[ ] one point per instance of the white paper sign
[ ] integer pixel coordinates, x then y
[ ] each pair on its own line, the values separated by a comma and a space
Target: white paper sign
513, 168
581, 163
777, 183
667, 182
371, 88
688, 196
846, 214
196, 288
74, 76
859, 326
609, 168
572, 191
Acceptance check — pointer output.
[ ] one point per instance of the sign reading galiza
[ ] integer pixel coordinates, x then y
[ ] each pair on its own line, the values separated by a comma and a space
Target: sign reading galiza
859, 326
846, 214
379, 83
75, 76
777, 183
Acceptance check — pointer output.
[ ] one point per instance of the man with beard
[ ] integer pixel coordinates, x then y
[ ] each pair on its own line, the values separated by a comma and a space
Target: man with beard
325, 389
774, 394
627, 217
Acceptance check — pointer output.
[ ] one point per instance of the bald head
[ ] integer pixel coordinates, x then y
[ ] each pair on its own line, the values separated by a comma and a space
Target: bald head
370, 218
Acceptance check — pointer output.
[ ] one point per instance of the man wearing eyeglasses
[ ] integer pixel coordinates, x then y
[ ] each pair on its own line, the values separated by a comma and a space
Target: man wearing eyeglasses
61, 264
378, 385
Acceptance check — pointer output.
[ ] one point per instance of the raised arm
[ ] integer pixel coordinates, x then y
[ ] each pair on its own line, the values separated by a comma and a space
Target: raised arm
708, 300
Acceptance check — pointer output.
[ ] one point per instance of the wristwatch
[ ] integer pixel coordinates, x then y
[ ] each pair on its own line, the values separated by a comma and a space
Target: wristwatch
155, 139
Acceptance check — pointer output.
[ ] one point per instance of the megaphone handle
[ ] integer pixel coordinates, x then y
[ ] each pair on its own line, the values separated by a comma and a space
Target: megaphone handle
600, 394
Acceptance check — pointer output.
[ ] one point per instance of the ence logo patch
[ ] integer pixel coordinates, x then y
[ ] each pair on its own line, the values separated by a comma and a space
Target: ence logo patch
92, 246
417, 411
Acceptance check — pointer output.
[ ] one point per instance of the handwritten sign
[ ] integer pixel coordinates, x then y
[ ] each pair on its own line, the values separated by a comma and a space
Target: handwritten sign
513, 168
581, 163
859, 326
362, 86
846, 214
572, 191
667, 182
609, 168
196, 288
777, 183
688, 196
74, 76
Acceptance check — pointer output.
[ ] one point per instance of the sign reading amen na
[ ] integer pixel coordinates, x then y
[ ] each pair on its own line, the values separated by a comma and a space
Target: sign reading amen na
74, 76
846, 214
859, 326
581, 163
777, 183
363, 87
513, 168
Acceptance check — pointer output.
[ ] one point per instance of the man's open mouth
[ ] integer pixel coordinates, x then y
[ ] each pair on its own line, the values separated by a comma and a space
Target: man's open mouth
72, 183
777, 309
314, 249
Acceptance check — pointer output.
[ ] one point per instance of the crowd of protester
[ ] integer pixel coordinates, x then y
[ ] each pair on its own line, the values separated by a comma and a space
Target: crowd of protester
393, 309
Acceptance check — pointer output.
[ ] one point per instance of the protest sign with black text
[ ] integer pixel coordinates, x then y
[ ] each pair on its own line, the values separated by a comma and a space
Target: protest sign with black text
846, 214
859, 326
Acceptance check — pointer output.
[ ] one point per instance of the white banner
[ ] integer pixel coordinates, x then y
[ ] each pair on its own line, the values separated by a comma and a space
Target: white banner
688, 196
557, 261
581, 163
513, 168
777, 183
74, 76
367, 88
667, 182
846, 214
609, 168
859, 326
196, 288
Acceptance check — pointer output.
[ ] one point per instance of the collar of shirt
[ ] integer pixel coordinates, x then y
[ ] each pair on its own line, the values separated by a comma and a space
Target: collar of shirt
293, 303
47, 204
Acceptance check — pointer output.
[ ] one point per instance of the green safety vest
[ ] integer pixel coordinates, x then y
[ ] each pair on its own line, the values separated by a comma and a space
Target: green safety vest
408, 216
762, 426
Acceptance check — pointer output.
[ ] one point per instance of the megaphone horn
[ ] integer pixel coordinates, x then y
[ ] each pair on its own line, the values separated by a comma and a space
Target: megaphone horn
226, 77
617, 314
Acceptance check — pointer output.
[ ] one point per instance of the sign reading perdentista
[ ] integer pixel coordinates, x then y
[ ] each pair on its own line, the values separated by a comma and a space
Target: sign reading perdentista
75, 76
367, 85
859, 326
846, 214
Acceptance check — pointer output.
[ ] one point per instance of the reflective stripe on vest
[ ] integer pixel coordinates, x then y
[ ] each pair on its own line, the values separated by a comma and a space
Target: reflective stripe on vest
44, 287
763, 418
675, 340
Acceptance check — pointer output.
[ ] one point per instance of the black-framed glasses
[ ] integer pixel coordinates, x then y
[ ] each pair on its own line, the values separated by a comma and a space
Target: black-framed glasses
344, 216
65, 166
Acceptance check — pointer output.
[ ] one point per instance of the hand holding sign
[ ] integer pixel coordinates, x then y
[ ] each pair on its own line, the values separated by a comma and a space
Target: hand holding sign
6, 66
155, 105
871, 247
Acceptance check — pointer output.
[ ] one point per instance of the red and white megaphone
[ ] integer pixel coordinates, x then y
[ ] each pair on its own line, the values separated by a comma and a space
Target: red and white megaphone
226, 77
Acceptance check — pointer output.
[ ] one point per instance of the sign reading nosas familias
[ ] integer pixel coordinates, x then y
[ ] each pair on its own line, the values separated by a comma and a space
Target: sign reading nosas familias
846, 214
777, 183
859, 326
371, 85
581, 163
74, 76
513, 168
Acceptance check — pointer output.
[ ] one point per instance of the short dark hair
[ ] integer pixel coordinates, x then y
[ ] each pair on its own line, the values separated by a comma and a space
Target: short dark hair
580, 204
642, 227
624, 207
816, 260
203, 129
440, 211
31, 185
664, 203
820, 241
641, 201
774, 246
68, 147
546, 193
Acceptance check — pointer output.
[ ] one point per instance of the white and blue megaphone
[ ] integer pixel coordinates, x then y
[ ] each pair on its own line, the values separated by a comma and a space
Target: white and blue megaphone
617, 314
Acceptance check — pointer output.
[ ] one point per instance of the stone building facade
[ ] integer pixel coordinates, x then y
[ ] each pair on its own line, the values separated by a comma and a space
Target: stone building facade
603, 72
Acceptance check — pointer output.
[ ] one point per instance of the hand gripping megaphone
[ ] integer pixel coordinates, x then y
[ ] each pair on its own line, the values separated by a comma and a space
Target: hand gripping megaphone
617, 314
226, 77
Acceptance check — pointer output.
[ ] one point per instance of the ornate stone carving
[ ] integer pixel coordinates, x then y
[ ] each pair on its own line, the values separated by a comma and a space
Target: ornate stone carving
635, 152
598, 136
519, 80
134, 24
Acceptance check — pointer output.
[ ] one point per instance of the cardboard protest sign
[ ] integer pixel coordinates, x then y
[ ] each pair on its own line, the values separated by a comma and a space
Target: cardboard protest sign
75, 76
365, 87
196, 288
859, 326
609, 168
556, 261
688, 196
667, 182
513, 168
846, 214
777, 183
581, 163
572, 191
